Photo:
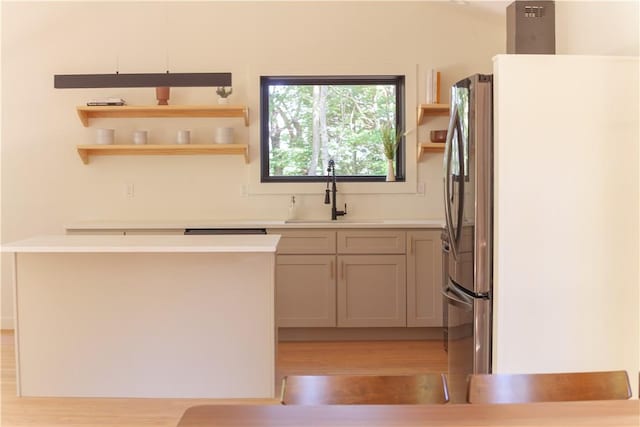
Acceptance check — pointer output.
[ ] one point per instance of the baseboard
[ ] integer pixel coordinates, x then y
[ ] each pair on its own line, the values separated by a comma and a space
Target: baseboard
359, 334
7, 323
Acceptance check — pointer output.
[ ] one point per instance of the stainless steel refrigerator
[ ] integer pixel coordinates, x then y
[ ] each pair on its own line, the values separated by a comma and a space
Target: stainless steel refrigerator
542, 205
467, 241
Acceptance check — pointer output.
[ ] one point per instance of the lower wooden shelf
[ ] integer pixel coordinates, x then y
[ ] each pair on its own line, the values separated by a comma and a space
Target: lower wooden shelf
86, 151
429, 147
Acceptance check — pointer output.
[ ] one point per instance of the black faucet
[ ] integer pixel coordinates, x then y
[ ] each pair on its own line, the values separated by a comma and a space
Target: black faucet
331, 176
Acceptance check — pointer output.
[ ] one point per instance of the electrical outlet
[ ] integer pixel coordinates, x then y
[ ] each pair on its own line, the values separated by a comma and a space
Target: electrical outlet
420, 188
129, 190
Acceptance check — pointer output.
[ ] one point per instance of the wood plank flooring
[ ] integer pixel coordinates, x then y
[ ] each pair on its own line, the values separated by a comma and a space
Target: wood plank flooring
361, 357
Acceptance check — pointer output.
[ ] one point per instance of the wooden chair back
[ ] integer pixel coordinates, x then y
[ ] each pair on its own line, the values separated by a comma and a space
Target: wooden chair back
364, 389
523, 388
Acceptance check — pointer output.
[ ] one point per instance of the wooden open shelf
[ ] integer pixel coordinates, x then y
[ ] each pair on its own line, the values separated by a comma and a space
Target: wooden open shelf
86, 151
428, 110
429, 147
222, 111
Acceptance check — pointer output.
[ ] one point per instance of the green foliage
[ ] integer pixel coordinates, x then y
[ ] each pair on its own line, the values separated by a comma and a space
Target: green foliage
224, 92
309, 125
390, 140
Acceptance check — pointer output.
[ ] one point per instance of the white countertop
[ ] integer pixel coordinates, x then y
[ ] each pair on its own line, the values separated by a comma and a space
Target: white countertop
117, 243
258, 223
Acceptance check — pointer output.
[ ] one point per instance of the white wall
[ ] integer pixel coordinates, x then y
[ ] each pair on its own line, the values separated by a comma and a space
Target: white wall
598, 27
44, 183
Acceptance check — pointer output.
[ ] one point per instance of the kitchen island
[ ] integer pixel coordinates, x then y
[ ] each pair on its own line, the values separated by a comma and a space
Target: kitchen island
145, 316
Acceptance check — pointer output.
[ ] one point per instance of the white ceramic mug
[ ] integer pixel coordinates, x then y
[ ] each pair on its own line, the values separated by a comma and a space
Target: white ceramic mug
184, 137
105, 136
140, 137
224, 136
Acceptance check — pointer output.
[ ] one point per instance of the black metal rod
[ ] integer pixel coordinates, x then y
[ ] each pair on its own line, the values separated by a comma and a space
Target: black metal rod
80, 81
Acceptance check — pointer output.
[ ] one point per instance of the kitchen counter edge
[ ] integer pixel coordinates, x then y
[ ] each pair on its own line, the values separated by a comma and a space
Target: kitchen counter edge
119, 243
244, 224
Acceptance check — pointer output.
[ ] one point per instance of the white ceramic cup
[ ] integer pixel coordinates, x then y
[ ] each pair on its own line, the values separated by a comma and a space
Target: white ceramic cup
224, 136
105, 136
140, 137
183, 137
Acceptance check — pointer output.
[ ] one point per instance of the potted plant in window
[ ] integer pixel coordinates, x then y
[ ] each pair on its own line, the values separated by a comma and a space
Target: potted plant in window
390, 142
223, 93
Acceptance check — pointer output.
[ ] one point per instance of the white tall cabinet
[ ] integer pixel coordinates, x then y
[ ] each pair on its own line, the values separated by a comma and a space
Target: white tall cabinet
566, 276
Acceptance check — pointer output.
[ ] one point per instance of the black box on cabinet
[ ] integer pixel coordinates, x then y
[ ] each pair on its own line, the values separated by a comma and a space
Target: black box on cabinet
531, 27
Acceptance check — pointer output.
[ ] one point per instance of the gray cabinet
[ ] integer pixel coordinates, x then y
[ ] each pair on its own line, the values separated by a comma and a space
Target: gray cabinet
305, 278
373, 241
305, 291
358, 278
424, 278
297, 242
371, 290
371, 284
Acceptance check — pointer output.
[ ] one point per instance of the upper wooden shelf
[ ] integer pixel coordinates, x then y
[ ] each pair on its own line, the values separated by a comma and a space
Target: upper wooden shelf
429, 147
427, 110
85, 151
223, 111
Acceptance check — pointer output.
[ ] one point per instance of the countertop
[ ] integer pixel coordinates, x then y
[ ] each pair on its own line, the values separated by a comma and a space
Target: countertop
120, 243
257, 223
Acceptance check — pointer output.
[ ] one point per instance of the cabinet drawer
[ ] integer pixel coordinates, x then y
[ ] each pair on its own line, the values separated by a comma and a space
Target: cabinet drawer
155, 232
94, 232
371, 242
305, 241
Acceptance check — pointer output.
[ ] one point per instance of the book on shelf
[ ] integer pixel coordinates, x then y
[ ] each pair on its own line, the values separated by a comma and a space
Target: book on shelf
105, 101
433, 86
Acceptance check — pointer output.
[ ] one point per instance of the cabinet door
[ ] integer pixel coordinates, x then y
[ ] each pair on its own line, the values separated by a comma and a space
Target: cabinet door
371, 242
424, 278
371, 290
305, 291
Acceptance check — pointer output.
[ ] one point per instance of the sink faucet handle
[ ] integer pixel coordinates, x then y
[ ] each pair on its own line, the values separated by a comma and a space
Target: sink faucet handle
345, 209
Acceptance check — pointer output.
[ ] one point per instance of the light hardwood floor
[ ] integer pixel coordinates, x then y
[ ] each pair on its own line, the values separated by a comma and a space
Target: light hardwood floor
363, 357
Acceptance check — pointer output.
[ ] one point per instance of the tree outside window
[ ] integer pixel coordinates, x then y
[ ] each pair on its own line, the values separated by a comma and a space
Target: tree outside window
306, 121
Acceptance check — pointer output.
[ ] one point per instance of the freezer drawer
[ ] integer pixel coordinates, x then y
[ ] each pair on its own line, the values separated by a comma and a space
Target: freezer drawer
469, 339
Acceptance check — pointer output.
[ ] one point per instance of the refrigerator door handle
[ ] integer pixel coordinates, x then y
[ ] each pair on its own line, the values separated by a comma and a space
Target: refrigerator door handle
448, 154
459, 301
460, 214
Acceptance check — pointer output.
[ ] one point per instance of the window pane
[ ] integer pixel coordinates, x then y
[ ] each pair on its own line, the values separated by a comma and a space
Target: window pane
310, 123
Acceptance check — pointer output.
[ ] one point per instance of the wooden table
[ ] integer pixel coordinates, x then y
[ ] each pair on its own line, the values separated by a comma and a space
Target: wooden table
561, 414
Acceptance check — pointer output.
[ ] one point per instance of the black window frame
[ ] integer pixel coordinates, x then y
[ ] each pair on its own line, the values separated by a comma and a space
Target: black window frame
265, 81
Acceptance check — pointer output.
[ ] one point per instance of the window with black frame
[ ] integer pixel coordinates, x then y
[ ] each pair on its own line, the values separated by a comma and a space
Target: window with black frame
307, 121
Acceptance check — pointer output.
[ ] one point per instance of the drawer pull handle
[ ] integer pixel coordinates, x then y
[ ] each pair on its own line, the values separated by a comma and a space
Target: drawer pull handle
331, 269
